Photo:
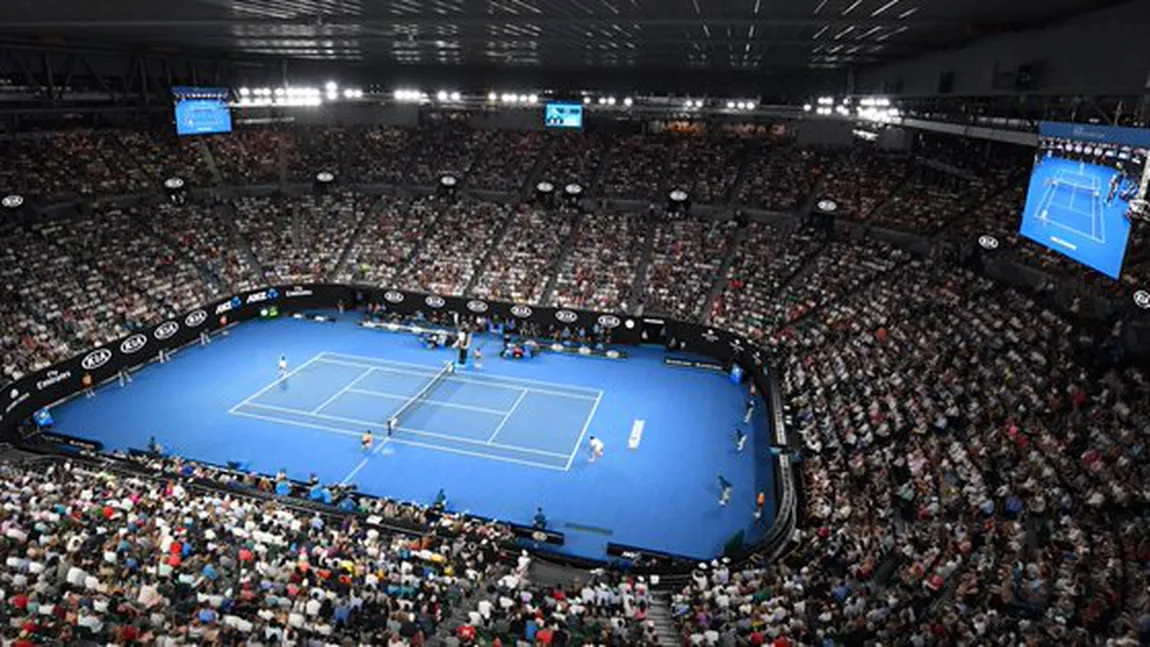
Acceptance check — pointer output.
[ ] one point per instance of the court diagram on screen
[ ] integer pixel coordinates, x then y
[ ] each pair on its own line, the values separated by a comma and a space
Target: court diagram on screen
1065, 194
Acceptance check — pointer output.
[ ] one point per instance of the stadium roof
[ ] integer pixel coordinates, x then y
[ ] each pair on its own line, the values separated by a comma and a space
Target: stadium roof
743, 35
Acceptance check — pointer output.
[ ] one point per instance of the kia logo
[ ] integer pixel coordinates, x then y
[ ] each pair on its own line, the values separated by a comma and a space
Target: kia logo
195, 319
521, 311
827, 205
96, 359
566, 316
166, 330
434, 301
133, 344
391, 296
988, 242
477, 306
608, 321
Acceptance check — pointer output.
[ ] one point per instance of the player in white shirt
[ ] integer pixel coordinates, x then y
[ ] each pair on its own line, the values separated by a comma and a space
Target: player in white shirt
283, 365
596, 448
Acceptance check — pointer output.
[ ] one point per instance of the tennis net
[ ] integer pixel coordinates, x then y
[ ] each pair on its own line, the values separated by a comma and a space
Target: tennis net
420, 397
1074, 186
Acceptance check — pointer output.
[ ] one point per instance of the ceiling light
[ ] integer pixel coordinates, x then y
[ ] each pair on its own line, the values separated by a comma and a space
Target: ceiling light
730, 105
441, 95
586, 100
279, 92
491, 96
610, 101
602, 101
627, 101
806, 107
245, 92
330, 86
533, 99
455, 96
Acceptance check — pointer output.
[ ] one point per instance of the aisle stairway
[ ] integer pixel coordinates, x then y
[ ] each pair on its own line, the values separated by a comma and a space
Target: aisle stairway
660, 614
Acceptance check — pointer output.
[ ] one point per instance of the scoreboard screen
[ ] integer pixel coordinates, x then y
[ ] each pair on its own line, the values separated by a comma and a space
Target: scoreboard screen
563, 115
202, 111
1083, 188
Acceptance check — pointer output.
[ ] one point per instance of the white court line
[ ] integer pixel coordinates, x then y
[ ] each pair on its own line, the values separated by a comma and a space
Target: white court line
351, 474
343, 390
417, 432
506, 417
403, 442
281, 379
504, 378
586, 424
442, 403
465, 380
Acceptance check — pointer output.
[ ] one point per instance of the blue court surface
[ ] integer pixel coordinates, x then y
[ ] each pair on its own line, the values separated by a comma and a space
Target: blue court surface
501, 439
1070, 209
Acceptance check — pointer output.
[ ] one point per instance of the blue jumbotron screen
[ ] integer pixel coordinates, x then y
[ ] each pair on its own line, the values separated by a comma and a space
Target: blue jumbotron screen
563, 115
202, 111
1081, 188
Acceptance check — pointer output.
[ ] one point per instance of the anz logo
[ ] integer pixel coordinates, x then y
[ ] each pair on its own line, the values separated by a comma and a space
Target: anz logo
270, 294
566, 316
228, 306
96, 359
166, 330
133, 344
435, 302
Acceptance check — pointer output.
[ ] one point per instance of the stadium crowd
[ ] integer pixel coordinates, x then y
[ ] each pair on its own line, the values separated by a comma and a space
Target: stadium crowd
105, 557
973, 463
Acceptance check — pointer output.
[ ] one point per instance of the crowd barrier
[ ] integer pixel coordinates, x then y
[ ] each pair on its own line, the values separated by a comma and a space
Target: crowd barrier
20, 399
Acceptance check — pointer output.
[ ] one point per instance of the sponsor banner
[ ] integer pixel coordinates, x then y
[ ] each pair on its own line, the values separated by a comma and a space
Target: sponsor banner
521, 311
16, 397
72, 441
133, 344
96, 359
271, 294
298, 291
229, 305
52, 378
434, 301
609, 321
708, 365
165, 330
477, 306
391, 296
196, 319
567, 316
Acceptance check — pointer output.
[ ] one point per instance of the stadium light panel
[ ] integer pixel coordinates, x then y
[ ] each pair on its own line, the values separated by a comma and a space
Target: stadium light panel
610, 101
455, 96
628, 101
586, 100
806, 107
441, 95
730, 105
492, 97
245, 92
532, 99
331, 86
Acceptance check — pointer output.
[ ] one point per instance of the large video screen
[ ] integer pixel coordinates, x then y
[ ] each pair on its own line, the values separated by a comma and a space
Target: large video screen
563, 115
202, 111
1081, 188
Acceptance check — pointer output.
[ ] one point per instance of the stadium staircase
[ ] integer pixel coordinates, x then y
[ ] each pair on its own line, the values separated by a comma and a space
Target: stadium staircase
720, 280
243, 246
659, 614
376, 207
481, 266
740, 177
210, 161
527, 190
560, 257
600, 171
637, 296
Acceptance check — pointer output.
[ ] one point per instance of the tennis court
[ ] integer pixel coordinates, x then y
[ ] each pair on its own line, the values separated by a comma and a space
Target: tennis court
490, 417
1073, 201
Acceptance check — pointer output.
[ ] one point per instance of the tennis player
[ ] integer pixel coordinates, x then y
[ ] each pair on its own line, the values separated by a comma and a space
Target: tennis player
366, 441
477, 356
596, 448
283, 365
